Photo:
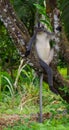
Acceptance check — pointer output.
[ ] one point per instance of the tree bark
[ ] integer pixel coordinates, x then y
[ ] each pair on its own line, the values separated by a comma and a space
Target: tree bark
50, 5
20, 36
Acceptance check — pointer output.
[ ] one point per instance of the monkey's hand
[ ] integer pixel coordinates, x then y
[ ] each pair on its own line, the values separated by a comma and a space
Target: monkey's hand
59, 28
27, 53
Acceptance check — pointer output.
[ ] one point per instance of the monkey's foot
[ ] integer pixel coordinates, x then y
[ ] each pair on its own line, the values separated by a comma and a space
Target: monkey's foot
53, 90
27, 53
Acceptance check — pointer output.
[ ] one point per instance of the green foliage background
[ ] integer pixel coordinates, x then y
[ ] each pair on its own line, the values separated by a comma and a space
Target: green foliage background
11, 100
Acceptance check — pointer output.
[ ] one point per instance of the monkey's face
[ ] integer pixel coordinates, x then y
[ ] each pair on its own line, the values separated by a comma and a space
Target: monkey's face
39, 27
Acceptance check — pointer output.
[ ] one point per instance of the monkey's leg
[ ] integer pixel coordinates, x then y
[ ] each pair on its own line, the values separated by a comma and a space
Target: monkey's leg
40, 98
50, 76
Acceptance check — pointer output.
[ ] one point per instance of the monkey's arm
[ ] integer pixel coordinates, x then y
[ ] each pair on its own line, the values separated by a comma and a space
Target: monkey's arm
30, 44
51, 35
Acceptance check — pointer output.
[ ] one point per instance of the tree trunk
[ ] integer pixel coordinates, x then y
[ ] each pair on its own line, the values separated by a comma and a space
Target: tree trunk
67, 69
64, 45
50, 5
20, 35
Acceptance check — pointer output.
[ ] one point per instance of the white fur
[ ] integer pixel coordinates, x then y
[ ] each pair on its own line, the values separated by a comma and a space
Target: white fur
43, 47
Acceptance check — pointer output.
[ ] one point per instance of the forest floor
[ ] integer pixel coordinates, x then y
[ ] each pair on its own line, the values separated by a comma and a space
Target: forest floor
55, 119
11, 120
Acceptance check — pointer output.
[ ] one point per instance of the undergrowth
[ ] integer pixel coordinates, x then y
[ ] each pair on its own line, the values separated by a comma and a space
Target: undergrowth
24, 103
